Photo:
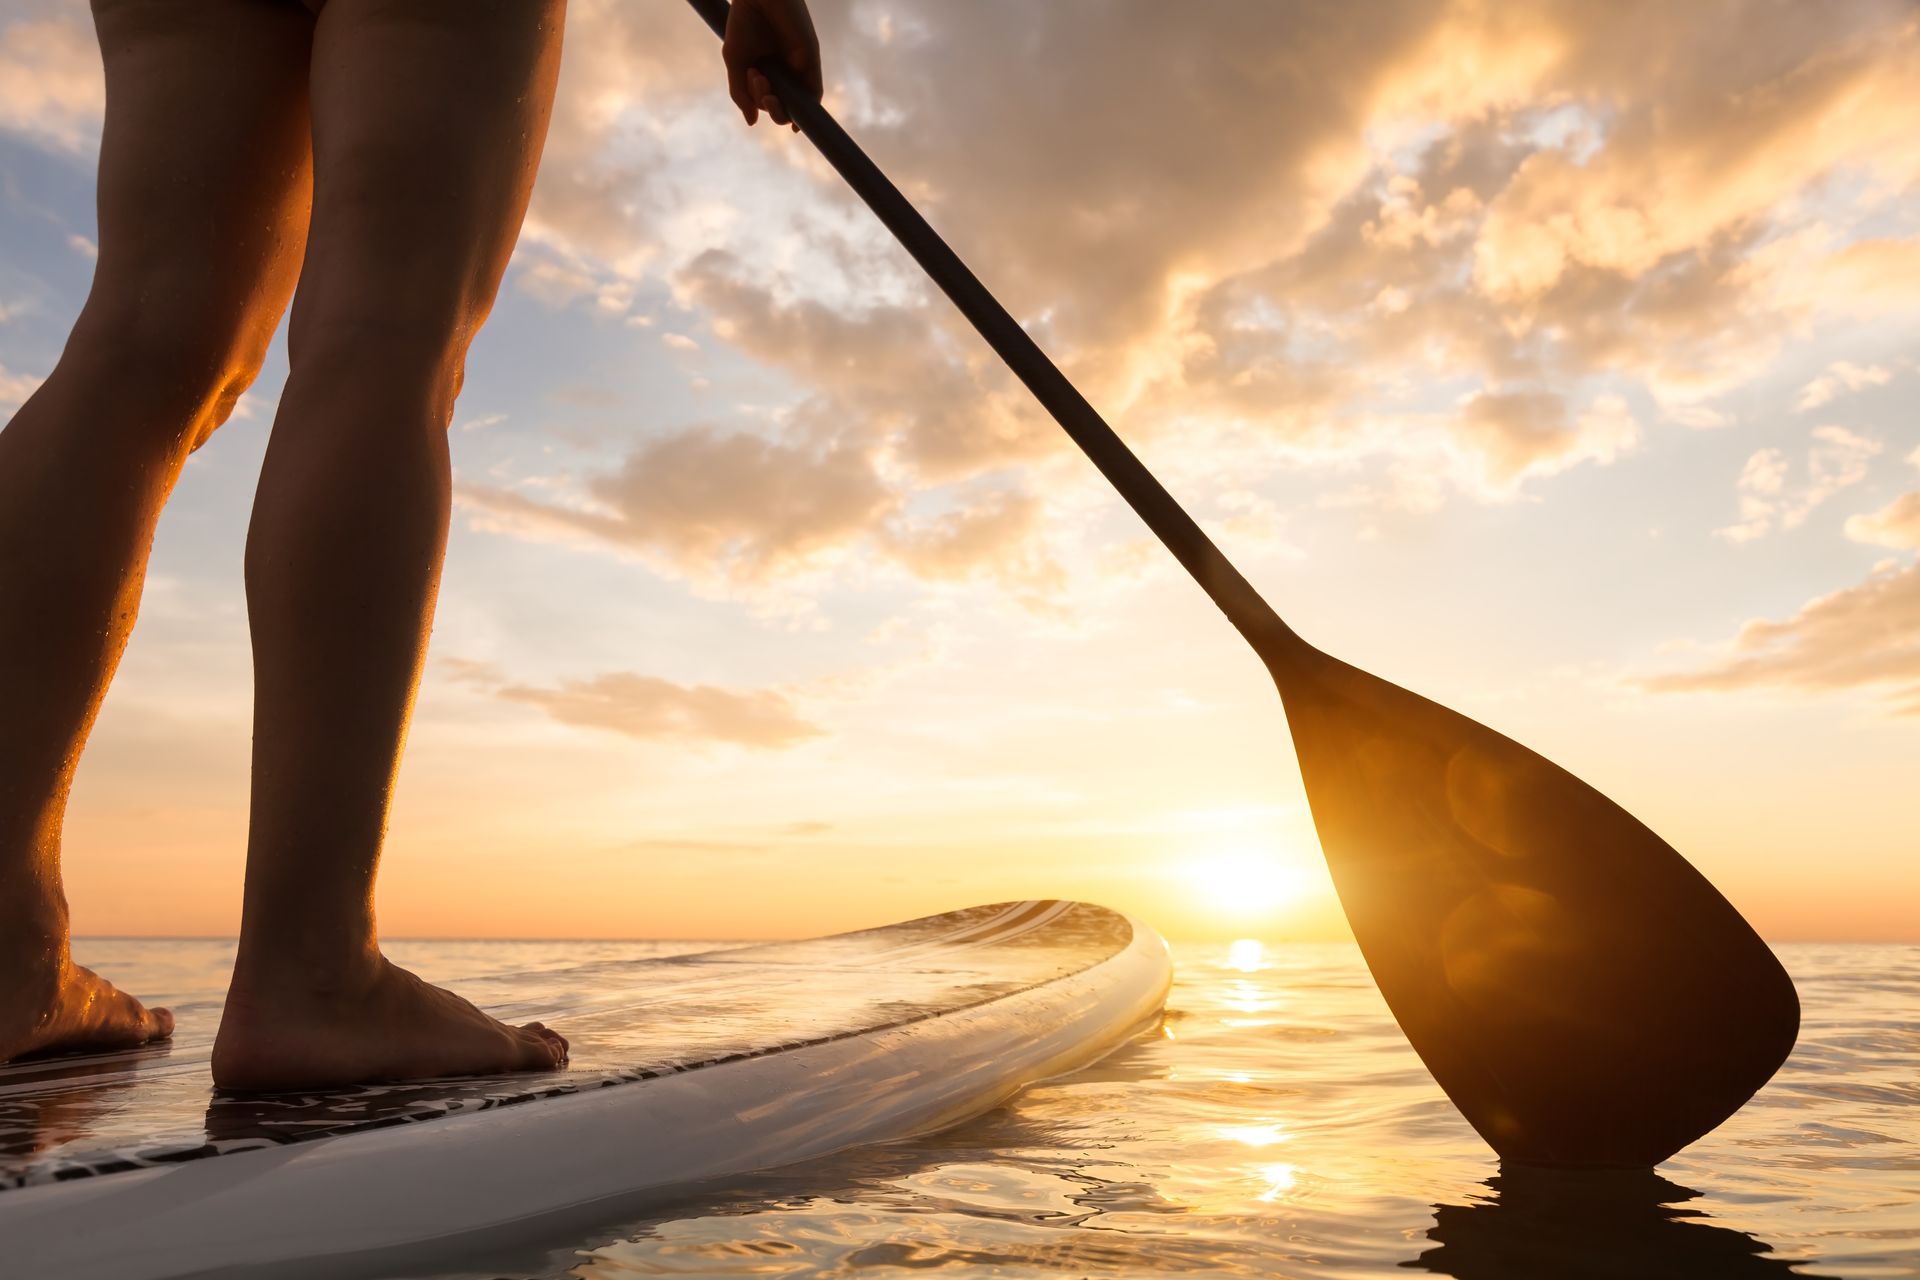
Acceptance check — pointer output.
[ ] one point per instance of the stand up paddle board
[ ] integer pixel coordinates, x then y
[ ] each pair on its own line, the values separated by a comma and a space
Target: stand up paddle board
687, 1068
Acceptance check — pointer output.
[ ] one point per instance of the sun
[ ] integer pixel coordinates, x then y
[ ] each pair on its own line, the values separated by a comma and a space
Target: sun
1245, 883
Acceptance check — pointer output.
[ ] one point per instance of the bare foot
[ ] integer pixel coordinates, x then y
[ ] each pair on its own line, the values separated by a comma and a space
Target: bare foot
48, 1004
380, 1024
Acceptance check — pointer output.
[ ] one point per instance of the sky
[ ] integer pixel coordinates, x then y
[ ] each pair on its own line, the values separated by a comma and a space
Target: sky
1558, 361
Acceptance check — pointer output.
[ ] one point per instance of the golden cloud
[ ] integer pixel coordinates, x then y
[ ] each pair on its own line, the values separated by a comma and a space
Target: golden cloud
1522, 432
1836, 459
641, 706
1866, 635
738, 511
648, 707
885, 372
1319, 211
1895, 525
711, 503
1317, 218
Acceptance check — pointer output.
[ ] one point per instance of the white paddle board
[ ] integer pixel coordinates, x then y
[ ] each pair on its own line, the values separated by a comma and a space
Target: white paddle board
684, 1069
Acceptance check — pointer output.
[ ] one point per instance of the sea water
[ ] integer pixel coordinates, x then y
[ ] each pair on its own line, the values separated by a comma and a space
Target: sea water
1276, 1125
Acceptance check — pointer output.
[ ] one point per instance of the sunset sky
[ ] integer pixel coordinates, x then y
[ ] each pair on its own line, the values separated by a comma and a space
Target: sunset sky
1558, 361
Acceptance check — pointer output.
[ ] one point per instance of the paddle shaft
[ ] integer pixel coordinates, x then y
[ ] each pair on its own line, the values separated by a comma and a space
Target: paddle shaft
1190, 545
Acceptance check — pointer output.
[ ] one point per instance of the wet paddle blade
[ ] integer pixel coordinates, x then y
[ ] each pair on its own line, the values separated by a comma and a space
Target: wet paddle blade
1583, 995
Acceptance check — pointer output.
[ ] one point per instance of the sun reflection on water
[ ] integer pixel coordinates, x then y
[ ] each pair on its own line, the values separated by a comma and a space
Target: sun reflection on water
1256, 1135
1279, 1179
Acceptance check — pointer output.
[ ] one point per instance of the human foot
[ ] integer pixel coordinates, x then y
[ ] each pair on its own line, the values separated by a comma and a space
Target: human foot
48, 1004
380, 1023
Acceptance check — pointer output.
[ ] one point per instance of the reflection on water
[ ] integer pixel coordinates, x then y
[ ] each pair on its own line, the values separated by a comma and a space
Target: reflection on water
31, 1122
1624, 1223
1279, 1126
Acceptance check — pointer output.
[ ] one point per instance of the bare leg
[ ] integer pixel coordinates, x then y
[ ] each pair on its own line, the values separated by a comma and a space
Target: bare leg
428, 121
203, 193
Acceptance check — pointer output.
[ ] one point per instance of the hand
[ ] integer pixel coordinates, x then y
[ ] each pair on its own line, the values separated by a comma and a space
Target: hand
762, 29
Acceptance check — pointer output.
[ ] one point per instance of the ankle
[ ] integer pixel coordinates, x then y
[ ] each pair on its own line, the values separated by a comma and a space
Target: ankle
35, 961
279, 971
292, 945
33, 917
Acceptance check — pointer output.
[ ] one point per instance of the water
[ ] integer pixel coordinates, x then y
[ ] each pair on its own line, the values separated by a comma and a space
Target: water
1277, 1126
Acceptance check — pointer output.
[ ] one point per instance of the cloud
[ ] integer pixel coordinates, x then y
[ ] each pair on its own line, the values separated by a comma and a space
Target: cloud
553, 282
1068, 230
52, 89
736, 511
1590, 200
628, 73
1619, 217
891, 406
1488, 448
1835, 459
1895, 525
649, 707
1723, 123
1840, 375
1866, 635
885, 371
1518, 433
1866, 277
996, 534
711, 504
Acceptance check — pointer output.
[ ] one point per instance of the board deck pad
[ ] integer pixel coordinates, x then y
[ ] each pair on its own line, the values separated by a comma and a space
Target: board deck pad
79, 1117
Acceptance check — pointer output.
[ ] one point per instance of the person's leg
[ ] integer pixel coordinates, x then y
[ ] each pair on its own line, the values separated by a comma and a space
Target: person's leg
203, 192
428, 119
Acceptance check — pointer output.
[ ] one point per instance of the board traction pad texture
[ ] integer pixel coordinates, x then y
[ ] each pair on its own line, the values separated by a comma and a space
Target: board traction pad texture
632, 1020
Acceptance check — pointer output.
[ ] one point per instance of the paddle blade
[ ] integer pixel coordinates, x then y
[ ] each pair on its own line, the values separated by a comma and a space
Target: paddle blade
1583, 995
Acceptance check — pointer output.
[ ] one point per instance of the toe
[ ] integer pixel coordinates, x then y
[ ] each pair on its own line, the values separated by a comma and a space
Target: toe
159, 1024
538, 1050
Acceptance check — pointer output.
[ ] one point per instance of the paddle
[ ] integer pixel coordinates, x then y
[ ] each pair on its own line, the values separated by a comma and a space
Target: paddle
1583, 995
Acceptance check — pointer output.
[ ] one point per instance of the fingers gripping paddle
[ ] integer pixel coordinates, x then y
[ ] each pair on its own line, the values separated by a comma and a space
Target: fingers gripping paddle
1583, 995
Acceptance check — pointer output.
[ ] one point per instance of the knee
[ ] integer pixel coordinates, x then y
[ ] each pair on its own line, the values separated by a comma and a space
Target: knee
184, 365
397, 356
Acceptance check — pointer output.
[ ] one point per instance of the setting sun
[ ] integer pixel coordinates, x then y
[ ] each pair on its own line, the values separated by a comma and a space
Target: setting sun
1245, 882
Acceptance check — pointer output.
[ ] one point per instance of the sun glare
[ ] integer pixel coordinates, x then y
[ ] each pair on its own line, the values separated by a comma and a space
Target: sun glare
1256, 1135
1279, 1179
1242, 883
